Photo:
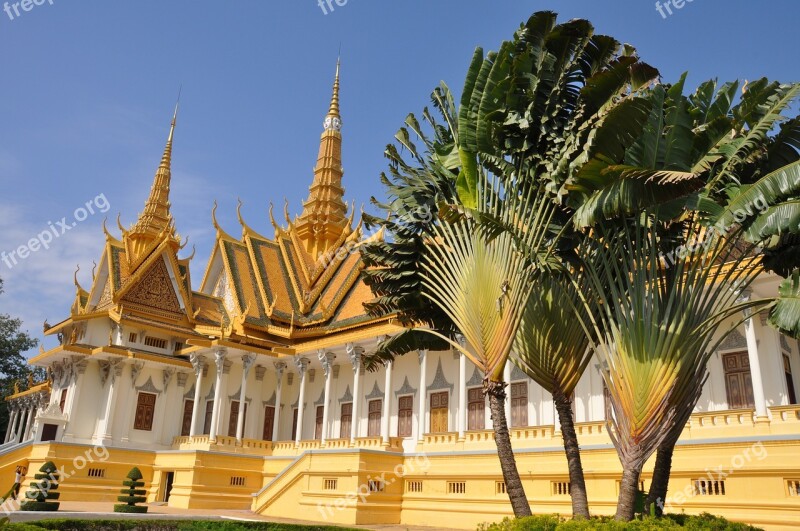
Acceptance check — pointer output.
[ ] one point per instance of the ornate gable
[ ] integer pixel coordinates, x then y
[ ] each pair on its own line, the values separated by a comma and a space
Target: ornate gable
154, 291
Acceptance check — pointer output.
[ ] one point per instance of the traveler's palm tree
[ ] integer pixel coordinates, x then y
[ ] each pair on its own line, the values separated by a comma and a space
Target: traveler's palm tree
487, 178
713, 150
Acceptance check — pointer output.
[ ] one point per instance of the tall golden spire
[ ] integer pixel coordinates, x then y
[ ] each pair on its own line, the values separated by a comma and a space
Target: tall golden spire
324, 216
156, 215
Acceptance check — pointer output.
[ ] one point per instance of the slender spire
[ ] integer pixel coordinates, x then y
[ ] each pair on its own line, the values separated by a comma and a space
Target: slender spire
333, 112
324, 216
156, 215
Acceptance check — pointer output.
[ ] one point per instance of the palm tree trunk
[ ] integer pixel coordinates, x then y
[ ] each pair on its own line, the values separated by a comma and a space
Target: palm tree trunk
658, 488
577, 484
508, 464
628, 488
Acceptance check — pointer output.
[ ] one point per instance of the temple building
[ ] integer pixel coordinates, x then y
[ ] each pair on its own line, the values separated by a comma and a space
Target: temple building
250, 391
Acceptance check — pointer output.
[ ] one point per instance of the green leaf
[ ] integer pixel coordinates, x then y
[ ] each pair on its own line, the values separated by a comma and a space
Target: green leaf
785, 316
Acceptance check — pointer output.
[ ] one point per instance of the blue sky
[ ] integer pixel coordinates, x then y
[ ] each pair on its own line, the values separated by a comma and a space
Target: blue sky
89, 87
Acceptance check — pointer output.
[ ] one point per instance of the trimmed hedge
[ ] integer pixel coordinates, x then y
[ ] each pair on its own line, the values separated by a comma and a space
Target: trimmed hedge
42, 493
704, 522
133, 494
162, 525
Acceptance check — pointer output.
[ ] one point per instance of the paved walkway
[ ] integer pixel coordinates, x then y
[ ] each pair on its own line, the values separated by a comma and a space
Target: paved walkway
100, 511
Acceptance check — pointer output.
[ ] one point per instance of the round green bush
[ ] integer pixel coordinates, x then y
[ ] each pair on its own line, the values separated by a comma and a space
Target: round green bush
39, 506
125, 508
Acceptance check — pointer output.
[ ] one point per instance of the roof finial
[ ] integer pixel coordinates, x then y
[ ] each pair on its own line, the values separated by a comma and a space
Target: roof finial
334, 118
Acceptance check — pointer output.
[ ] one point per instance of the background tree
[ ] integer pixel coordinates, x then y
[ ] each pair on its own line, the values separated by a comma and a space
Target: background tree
13, 366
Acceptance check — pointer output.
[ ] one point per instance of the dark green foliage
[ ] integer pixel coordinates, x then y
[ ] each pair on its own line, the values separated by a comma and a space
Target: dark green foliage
133, 494
555, 523
42, 493
162, 525
13, 367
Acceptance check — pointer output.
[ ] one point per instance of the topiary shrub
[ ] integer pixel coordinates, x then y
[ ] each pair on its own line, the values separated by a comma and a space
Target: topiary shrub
42, 493
133, 494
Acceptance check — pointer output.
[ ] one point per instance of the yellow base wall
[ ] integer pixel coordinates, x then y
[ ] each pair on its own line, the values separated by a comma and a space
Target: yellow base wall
447, 483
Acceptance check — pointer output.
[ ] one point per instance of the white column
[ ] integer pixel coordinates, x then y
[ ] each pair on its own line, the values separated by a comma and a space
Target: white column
247, 364
279, 368
31, 415
326, 358
507, 379
462, 395
423, 393
11, 420
302, 365
387, 403
23, 419
219, 361
355, 353
755, 366
71, 407
198, 362
113, 372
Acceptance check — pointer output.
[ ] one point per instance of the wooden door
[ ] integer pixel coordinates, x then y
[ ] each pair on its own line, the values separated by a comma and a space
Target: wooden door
269, 423
439, 412
346, 421
374, 426
186, 425
738, 381
519, 404
208, 416
476, 409
405, 414
234, 418
318, 424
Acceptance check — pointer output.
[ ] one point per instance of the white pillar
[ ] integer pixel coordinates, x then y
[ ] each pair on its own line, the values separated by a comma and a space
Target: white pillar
387, 403
507, 379
302, 365
326, 358
113, 372
755, 366
279, 368
23, 418
355, 353
198, 362
247, 364
11, 420
31, 415
219, 361
71, 407
423, 393
462, 395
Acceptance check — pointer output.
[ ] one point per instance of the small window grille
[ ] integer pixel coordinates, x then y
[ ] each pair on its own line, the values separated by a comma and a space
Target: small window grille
132, 337
97, 472
376, 485
330, 483
793, 487
706, 487
178, 346
456, 487
500, 487
237, 481
413, 486
155, 342
560, 488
